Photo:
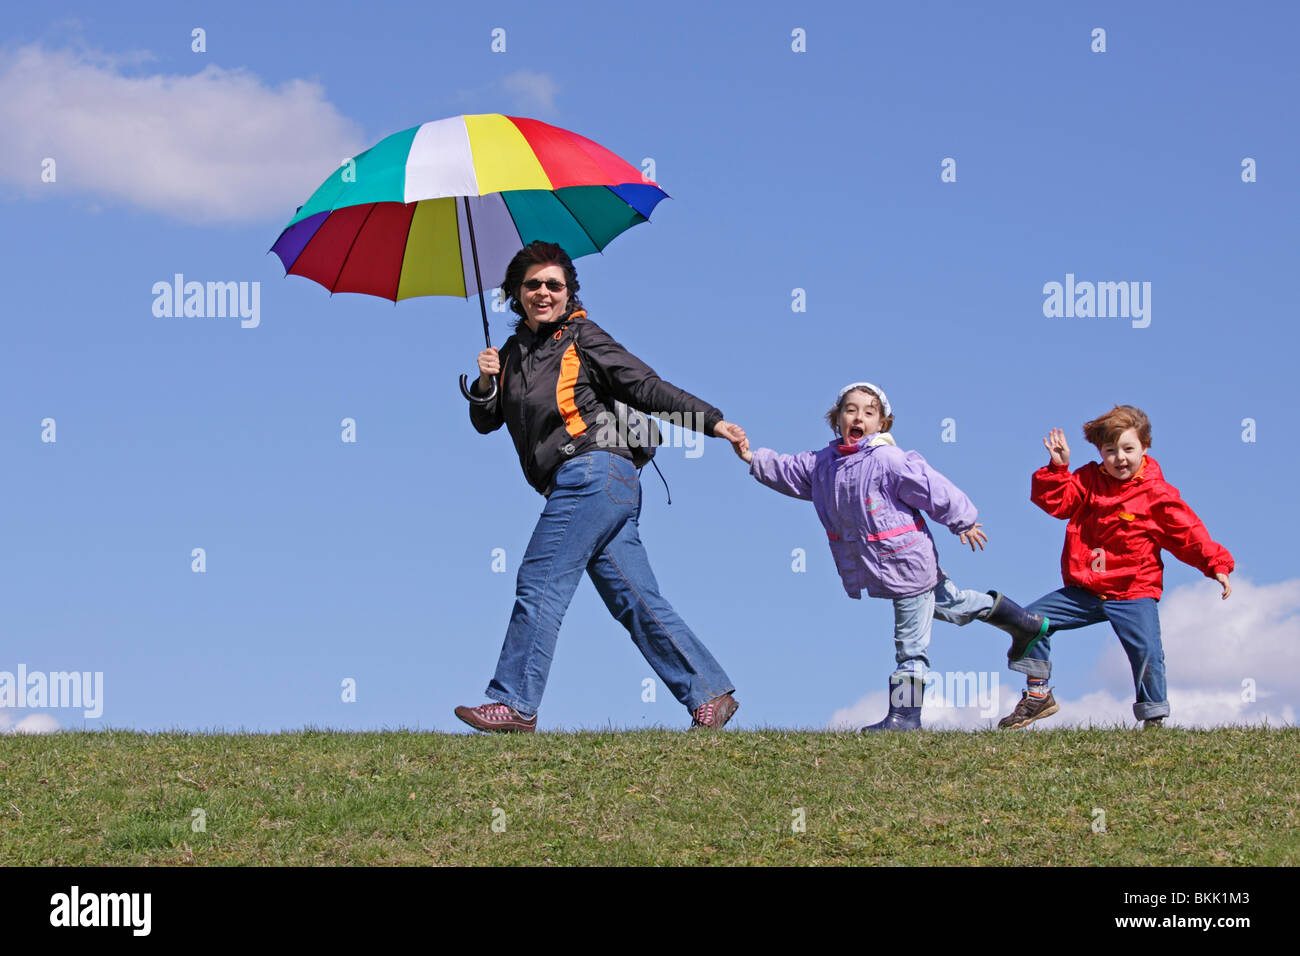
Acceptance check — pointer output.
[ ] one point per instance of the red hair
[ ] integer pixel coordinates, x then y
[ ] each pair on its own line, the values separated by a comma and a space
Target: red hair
1107, 429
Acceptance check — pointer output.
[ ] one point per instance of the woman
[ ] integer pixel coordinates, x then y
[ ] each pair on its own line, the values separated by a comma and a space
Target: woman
559, 375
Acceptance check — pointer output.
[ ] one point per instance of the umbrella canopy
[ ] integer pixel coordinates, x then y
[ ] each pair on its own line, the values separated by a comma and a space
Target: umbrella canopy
411, 215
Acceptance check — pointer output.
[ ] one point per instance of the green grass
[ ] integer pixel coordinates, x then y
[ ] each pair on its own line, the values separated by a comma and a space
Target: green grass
1170, 796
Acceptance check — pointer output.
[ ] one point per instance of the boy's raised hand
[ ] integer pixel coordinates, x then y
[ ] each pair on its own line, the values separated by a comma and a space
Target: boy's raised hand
1057, 447
974, 536
1223, 579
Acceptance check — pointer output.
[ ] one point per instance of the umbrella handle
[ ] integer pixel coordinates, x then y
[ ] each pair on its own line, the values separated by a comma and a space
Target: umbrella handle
478, 399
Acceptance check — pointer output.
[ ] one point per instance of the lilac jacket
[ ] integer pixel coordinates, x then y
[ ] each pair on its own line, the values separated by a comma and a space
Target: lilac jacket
870, 502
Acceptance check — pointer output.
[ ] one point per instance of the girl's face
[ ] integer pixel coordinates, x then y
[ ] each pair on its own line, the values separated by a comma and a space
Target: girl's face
859, 415
1123, 458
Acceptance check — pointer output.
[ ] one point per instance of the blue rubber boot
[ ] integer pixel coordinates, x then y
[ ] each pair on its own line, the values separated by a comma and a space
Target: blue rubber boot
905, 698
1026, 629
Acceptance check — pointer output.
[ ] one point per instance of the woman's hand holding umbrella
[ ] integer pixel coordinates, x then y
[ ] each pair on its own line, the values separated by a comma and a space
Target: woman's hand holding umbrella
489, 364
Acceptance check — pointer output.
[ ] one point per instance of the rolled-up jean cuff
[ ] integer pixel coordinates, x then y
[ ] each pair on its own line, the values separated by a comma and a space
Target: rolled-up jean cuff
1146, 709
1032, 667
696, 705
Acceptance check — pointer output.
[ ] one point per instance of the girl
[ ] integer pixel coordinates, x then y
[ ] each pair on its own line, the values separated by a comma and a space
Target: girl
869, 495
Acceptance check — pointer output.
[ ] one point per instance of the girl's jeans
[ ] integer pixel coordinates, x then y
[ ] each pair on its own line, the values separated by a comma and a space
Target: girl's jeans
590, 524
1136, 624
913, 617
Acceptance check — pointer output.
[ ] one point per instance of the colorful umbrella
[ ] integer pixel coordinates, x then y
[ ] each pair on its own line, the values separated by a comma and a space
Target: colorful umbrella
430, 210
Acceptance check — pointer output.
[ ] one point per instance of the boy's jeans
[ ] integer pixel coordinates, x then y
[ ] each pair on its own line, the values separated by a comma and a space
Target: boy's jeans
590, 524
1136, 624
913, 617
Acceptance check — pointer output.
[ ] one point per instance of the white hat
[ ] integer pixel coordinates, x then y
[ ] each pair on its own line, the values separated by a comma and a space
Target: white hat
875, 390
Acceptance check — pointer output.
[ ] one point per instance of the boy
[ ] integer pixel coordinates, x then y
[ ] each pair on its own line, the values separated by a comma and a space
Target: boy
1122, 513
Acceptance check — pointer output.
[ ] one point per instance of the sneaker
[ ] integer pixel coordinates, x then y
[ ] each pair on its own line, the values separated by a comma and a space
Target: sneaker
715, 713
1153, 722
497, 719
1029, 710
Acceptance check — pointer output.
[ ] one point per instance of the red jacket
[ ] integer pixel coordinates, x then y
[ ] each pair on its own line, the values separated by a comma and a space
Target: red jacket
1117, 528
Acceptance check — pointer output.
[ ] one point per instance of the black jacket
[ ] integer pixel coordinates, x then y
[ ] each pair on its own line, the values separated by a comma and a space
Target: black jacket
557, 389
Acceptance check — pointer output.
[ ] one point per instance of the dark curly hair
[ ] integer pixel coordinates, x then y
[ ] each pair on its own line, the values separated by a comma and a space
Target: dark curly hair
538, 253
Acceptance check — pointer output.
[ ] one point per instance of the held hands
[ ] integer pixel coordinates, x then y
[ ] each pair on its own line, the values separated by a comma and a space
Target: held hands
1223, 579
736, 435
1056, 447
489, 364
974, 536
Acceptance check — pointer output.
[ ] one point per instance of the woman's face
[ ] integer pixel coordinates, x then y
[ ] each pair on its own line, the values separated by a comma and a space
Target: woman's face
543, 304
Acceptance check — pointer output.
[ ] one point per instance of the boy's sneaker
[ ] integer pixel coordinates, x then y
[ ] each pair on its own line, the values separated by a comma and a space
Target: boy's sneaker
1029, 710
497, 719
715, 713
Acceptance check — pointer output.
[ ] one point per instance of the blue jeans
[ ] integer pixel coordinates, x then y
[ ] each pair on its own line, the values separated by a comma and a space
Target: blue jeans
913, 617
590, 524
1137, 625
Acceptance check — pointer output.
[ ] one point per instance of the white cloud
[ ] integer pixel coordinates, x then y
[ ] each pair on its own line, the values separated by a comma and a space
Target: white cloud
1215, 644
1227, 662
1189, 707
1211, 647
1205, 708
531, 92
34, 724
865, 710
953, 701
216, 146
990, 704
1100, 708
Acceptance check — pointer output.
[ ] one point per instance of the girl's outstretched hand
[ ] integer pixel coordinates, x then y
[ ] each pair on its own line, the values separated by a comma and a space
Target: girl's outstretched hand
734, 434
1057, 447
974, 536
742, 450
1223, 579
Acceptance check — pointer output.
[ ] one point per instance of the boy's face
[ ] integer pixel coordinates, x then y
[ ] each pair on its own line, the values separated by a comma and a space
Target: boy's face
859, 415
1123, 458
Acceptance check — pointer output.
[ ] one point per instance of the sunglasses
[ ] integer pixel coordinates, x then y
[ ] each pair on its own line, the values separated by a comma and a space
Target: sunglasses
555, 285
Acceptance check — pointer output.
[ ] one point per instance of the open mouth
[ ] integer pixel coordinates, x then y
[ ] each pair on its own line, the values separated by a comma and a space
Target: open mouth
855, 433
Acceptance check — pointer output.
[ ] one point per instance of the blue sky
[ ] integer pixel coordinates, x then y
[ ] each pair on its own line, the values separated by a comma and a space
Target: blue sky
815, 170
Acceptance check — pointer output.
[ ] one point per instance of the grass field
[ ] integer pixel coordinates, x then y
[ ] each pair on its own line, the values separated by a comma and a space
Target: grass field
1125, 797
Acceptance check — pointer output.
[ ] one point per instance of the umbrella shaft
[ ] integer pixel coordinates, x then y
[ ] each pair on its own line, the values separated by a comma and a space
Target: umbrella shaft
478, 278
